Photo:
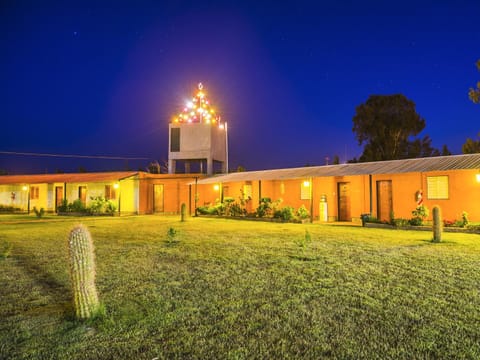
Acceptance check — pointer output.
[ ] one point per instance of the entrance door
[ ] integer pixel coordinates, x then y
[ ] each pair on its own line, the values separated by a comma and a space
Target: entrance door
384, 200
58, 196
82, 194
344, 202
158, 198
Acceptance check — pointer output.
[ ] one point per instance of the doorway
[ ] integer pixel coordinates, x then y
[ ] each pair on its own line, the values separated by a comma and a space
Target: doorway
158, 198
82, 194
344, 202
58, 197
384, 200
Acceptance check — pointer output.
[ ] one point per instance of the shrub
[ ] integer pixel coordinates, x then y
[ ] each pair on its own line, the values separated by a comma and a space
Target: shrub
419, 215
76, 206
5, 249
448, 223
285, 214
64, 206
99, 205
400, 222
302, 212
265, 207
8, 209
465, 220
39, 213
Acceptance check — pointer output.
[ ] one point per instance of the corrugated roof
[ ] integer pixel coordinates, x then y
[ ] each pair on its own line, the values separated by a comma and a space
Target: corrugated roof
66, 178
452, 162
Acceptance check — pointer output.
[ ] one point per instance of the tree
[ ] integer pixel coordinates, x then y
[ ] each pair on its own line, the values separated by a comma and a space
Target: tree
384, 125
474, 94
471, 146
445, 151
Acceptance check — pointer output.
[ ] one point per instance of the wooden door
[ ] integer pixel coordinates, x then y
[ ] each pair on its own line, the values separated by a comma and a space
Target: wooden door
158, 201
344, 202
82, 194
384, 200
58, 196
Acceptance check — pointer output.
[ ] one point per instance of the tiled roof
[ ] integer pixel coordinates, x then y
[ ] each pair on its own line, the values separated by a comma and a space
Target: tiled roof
453, 162
66, 178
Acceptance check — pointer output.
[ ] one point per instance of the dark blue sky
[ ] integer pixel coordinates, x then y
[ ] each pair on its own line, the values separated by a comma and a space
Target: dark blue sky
105, 78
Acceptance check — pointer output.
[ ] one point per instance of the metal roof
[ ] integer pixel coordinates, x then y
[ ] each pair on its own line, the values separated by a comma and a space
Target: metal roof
439, 163
66, 178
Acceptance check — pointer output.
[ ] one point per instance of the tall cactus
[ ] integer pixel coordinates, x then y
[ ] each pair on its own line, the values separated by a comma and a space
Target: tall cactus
82, 272
183, 212
437, 224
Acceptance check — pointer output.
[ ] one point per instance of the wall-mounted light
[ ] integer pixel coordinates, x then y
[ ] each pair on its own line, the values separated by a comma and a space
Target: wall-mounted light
478, 177
24, 188
116, 185
216, 187
306, 183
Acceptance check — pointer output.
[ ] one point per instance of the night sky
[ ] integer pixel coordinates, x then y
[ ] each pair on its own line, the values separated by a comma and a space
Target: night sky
105, 78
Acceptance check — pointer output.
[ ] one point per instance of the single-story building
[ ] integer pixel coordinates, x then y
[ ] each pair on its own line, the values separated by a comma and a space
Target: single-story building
130, 192
331, 193
384, 189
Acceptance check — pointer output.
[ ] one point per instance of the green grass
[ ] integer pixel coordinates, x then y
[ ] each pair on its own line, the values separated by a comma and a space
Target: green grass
237, 289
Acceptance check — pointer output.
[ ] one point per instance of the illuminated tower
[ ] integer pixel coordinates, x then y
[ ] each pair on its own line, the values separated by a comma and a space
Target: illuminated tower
197, 134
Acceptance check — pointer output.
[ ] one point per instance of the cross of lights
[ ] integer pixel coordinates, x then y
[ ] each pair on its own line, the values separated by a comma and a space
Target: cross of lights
198, 110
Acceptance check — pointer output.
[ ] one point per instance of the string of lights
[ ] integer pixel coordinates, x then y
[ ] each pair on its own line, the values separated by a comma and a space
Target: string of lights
198, 110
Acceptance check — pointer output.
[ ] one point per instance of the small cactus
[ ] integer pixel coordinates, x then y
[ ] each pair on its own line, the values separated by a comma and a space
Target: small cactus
82, 272
437, 224
183, 212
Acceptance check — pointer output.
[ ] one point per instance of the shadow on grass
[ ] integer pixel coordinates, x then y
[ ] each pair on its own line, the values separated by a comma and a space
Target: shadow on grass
49, 284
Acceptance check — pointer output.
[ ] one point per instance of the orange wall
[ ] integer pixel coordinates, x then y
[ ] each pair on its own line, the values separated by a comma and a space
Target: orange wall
464, 193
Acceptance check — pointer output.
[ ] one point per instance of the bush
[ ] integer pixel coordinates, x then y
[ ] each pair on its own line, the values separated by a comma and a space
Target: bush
76, 206
286, 213
265, 207
465, 220
302, 213
8, 209
39, 213
100, 205
419, 215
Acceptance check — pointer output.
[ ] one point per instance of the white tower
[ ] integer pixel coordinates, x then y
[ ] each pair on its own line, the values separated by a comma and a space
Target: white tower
198, 135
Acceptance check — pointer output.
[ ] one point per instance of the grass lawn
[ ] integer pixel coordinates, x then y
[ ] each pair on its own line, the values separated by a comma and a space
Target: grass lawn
231, 289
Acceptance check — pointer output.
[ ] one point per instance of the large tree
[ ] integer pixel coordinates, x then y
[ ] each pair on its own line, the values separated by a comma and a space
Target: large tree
474, 94
384, 124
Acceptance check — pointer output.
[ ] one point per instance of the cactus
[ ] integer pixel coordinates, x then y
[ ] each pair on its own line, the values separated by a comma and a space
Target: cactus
183, 212
437, 224
82, 272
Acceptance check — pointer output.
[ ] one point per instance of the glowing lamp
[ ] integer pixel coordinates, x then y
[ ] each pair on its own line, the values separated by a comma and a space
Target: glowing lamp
306, 183
116, 185
478, 177
221, 126
24, 188
216, 187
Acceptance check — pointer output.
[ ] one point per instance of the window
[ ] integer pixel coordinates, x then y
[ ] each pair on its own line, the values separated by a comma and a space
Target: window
110, 193
437, 187
247, 191
282, 188
175, 139
305, 190
34, 192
